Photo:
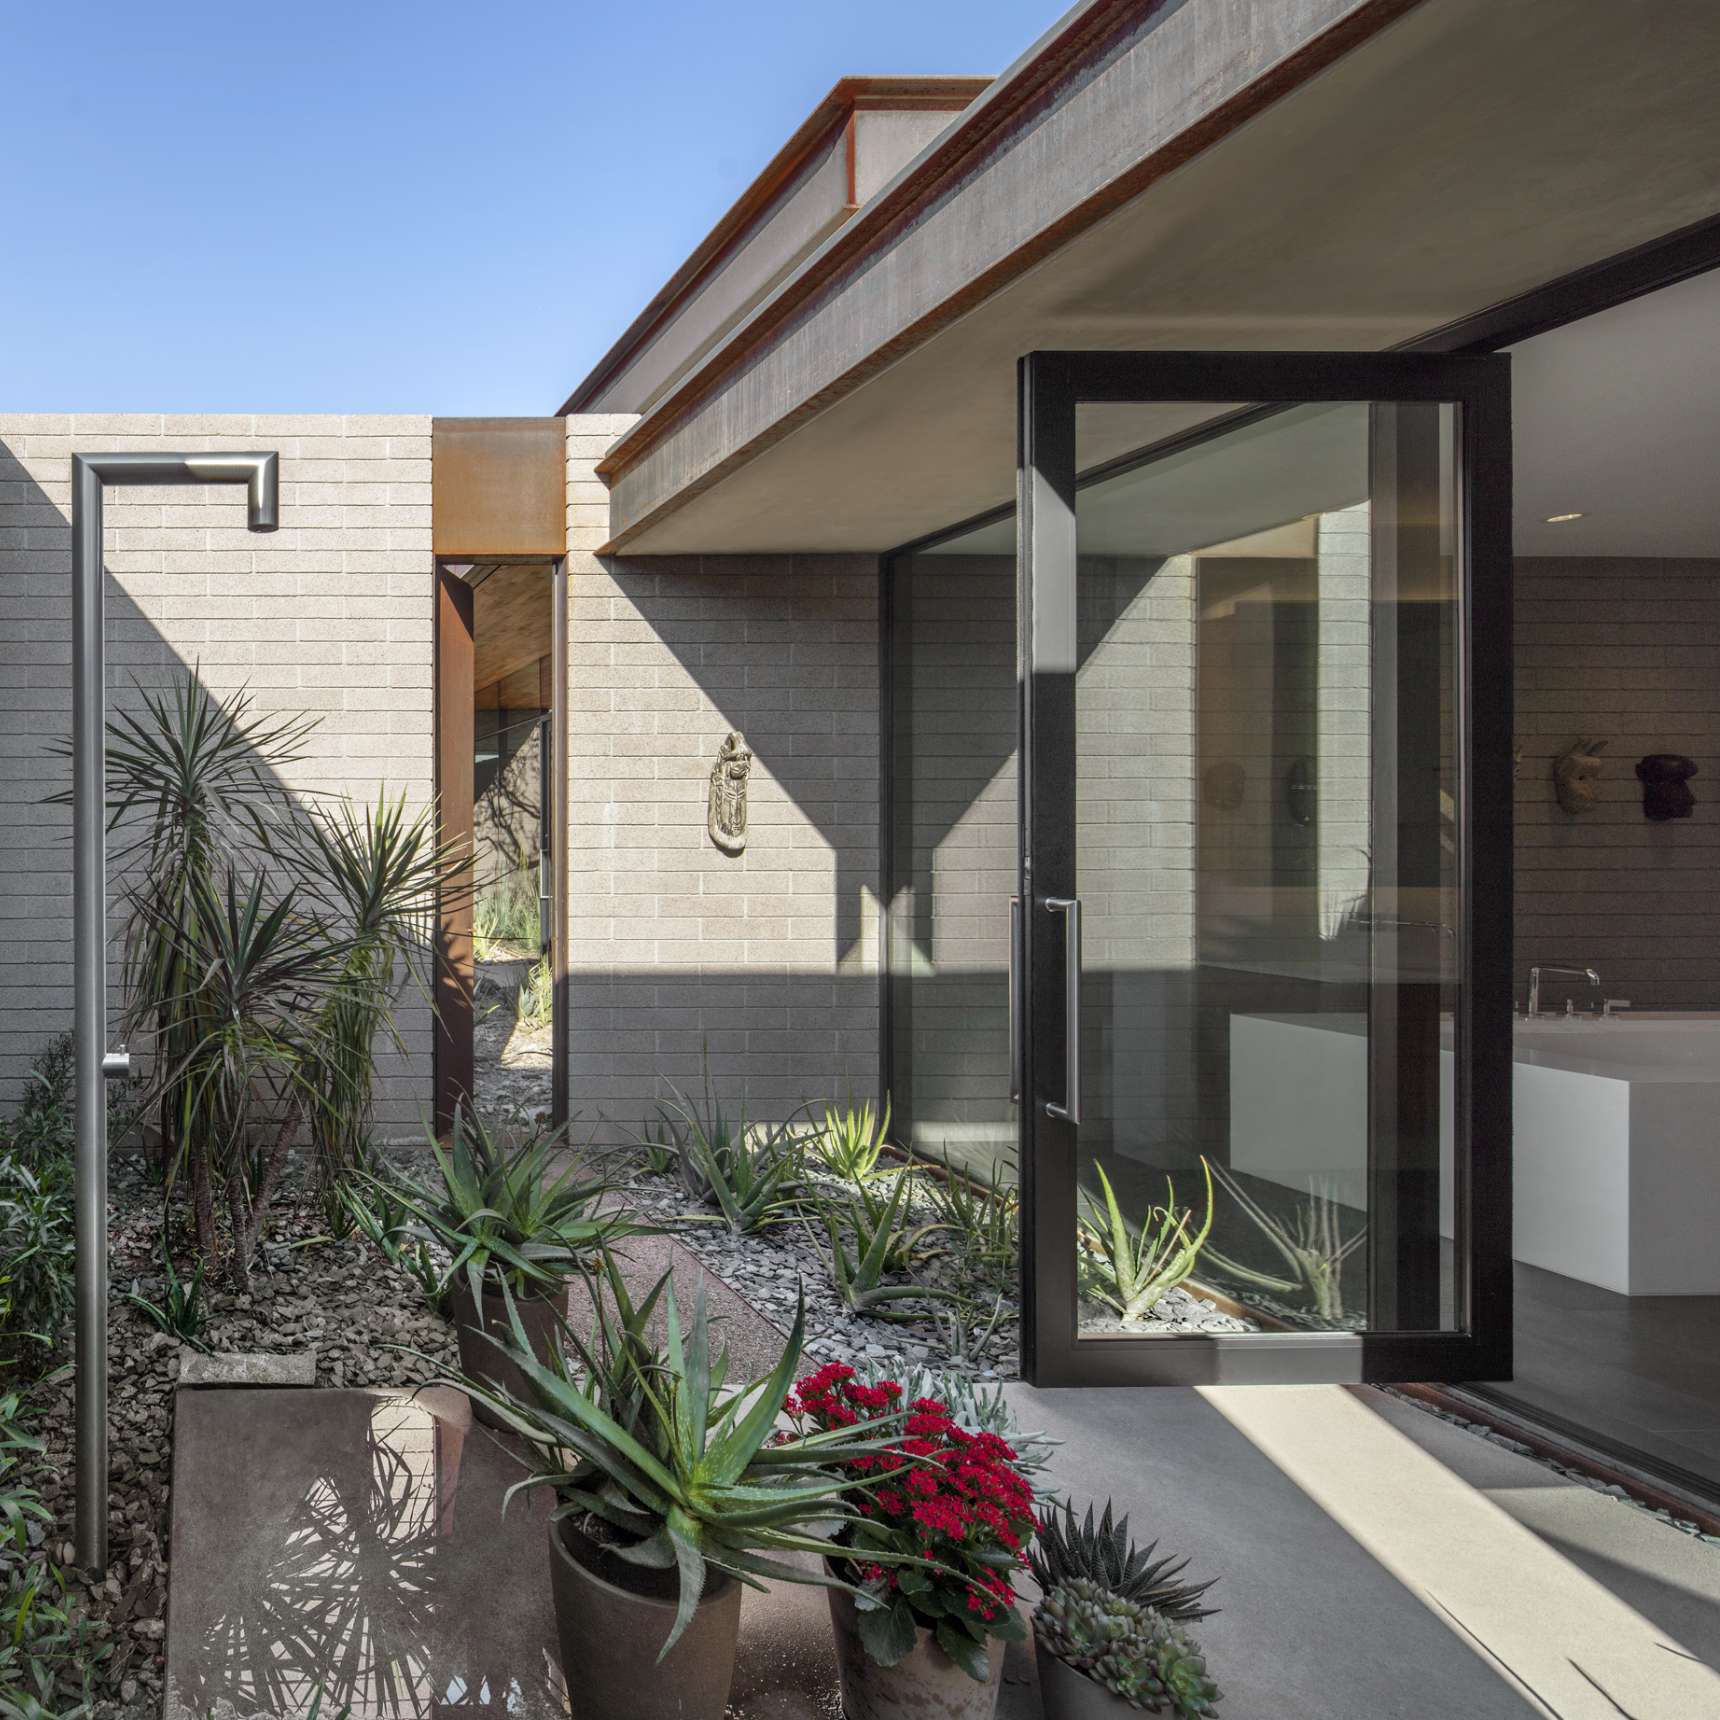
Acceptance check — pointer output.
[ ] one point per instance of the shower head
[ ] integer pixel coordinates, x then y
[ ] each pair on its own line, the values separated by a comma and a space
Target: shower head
262, 477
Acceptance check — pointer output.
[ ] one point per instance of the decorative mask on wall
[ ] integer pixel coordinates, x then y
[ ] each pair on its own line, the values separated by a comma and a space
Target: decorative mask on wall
1577, 776
726, 810
1665, 779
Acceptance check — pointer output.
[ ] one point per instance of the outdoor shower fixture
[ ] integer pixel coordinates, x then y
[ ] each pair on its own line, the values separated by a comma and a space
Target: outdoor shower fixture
94, 1064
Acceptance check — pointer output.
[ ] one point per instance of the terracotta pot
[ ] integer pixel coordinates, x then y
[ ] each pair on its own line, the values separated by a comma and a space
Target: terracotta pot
612, 1618
1070, 1695
481, 1360
928, 1685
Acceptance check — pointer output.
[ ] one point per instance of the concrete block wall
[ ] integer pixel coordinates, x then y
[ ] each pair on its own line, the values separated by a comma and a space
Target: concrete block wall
1624, 650
768, 959
330, 615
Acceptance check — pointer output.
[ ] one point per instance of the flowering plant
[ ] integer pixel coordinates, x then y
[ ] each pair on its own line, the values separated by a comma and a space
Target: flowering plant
953, 1502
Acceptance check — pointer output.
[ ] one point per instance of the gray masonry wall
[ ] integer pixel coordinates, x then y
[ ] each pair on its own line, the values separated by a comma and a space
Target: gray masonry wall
766, 960
331, 614
1626, 651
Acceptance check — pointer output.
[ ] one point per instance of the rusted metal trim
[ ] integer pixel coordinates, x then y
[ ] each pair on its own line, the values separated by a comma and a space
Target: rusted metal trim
453, 976
856, 245
836, 111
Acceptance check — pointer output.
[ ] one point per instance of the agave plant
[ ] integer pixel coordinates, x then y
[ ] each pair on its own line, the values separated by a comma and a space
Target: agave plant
505, 1217
1312, 1245
850, 1143
1128, 1272
682, 1473
883, 1244
753, 1173
1066, 1551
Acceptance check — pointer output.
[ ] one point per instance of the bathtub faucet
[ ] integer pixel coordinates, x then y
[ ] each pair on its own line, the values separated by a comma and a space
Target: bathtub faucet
1535, 973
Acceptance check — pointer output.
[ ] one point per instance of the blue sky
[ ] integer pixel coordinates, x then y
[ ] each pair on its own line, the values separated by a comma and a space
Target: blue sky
393, 205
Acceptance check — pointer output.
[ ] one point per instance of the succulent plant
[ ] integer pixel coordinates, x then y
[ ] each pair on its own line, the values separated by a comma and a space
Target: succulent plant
1066, 1551
1139, 1655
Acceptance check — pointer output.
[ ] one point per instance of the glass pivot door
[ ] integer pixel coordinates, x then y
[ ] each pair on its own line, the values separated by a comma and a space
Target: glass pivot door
1262, 986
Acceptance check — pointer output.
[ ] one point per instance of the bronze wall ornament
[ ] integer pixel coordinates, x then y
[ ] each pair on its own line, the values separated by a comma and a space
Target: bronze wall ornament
726, 812
1577, 776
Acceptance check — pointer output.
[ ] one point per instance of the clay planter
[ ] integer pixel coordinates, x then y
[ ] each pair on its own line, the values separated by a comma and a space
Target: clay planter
1070, 1695
928, 1685
481, 1360
610, 1635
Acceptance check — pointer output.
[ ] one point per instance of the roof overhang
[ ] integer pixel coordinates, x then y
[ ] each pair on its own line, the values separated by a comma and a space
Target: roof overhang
1318, 173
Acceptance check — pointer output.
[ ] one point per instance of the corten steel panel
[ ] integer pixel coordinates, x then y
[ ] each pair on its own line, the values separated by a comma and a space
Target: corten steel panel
454, 976
498, 487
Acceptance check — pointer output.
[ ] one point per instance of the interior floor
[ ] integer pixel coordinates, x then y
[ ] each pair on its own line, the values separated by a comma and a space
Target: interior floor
1641, 1371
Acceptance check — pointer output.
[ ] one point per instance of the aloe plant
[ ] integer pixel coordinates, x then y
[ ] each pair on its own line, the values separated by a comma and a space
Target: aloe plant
1312, 1245
850, 1143
752, 1173
1066, 1551
680, 1472
984, 1221
1129, 1272
883, 1244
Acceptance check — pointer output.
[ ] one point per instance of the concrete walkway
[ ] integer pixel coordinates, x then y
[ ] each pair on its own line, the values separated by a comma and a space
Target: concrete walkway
1375, 1564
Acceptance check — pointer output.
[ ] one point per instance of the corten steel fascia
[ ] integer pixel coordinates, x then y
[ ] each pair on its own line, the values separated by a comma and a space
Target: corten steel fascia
92, 1062
498, 488
985, 130
836, 112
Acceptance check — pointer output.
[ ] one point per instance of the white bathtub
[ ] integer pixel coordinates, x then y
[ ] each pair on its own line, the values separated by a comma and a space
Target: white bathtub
1617, 1136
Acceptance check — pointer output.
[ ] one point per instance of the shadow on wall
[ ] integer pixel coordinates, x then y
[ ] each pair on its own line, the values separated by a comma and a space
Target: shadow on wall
236, 644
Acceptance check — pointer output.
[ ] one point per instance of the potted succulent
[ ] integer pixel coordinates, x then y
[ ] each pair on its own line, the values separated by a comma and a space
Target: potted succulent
927, 1600
1101, 1655
671, 1491
1066, 1550
515, 1226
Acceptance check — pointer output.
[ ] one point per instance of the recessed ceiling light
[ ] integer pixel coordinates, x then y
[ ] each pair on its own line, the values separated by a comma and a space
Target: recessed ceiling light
1562, 519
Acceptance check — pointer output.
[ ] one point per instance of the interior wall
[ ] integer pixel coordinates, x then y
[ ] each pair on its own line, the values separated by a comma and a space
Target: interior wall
1625, 651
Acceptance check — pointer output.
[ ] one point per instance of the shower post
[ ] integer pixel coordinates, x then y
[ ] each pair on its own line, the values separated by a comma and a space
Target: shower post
93, 1063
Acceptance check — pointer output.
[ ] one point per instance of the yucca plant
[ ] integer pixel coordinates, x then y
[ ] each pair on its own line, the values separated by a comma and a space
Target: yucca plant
883, 1243
380, 874
1312, 1245
1067, 1551
850, 1142
1129, 1272
680, 1472
504, 1217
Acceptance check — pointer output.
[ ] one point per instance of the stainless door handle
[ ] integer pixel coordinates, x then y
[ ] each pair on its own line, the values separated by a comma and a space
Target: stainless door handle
1014, 1000
1070, 907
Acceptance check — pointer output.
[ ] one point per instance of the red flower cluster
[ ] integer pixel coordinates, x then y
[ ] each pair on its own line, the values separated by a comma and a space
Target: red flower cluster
945, 1494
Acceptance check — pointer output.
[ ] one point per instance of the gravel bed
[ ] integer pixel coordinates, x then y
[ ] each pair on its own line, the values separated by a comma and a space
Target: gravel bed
308, 1292
771, 1265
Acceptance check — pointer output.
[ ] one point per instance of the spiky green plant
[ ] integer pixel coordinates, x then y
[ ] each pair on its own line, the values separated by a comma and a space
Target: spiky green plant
883, 1241
507, 916
752, 1173
1066, 1551
679, 1472
379, 876
1312, 1245
181, 1312
1138, 1655
1129, 1272
534, 1007
983, 1221
850, 1142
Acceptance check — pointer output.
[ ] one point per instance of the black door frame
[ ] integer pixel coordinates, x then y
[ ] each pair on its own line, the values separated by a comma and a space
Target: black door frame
1050, 387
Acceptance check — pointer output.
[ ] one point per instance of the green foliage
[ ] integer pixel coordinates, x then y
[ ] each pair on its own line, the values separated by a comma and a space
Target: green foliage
965, 1328
1141, 1657
752, 1173
667, 1466
181, 1312
1130, 1273
46, 1656
984, 1222
374, 1211
850, 1142
1312, 1245
506, 917
1066, 1551
884, 1242
534, 1007
503, 1215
